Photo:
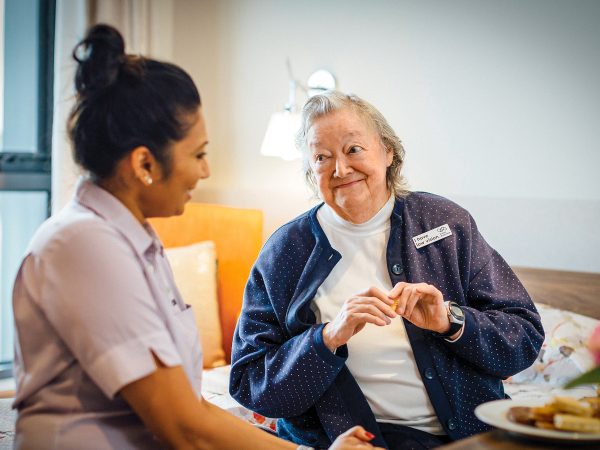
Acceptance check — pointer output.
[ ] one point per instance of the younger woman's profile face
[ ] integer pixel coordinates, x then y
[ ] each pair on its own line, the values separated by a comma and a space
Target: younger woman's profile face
168, 195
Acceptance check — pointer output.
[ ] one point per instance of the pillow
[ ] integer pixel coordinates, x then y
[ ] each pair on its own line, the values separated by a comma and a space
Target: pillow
195, 271
564, 354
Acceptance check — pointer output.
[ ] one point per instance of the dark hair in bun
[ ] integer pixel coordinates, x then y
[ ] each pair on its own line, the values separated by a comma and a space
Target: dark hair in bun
125, 101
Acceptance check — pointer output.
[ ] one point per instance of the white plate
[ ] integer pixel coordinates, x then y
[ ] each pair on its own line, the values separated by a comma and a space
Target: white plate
495, 414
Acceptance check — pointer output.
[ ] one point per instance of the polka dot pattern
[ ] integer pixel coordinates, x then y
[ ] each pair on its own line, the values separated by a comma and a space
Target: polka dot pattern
281, 368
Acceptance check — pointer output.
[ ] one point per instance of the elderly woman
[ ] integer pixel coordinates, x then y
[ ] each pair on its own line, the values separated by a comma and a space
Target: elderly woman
379, 307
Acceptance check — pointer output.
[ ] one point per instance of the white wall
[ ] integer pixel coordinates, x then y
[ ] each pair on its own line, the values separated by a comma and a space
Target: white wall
497, 104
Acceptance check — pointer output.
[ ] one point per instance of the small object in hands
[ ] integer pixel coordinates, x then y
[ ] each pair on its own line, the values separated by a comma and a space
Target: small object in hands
395, 304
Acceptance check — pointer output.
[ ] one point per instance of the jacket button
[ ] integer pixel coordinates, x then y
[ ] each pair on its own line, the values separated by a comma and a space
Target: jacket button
429, 374
397, 269
452, 424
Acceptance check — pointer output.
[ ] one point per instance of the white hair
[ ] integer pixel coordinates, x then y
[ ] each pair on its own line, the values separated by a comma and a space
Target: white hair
330, 101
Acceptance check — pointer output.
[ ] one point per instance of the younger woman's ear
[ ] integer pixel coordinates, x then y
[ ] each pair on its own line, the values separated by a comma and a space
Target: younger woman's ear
144, 165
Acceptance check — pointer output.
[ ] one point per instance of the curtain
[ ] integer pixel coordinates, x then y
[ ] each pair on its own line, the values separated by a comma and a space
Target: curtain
147, 27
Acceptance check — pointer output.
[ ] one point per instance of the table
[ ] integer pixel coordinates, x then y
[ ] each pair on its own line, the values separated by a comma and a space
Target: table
502, 440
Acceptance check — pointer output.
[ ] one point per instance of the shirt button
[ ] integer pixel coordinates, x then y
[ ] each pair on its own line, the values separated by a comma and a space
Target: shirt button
173, 302
452, 424
397, 269
429, 373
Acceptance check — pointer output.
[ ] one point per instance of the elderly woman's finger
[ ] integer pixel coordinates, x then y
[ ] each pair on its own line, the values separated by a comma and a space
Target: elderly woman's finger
369, 318
385, 307
378, 293
407, 292
428, 289
388, 310
412, 301
369, 308
384, 304
397, 290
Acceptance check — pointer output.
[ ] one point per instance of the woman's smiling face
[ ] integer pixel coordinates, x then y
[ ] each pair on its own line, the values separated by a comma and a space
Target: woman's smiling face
168, 195
349, 163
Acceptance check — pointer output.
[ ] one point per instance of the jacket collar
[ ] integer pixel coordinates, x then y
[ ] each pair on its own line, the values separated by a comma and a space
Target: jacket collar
91, 196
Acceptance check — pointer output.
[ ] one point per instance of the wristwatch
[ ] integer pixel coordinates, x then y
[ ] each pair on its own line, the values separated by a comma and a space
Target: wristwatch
456, 317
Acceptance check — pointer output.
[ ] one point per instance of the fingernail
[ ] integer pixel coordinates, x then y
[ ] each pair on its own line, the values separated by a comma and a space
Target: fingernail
369, 435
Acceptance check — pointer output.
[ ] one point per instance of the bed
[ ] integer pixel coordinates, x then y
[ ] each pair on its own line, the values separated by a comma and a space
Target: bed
569, 306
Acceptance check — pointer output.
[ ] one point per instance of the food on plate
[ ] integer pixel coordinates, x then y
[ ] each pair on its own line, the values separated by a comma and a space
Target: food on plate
594, 402
520, 414
569, 422
572, 406
561, 413
543, 413
544, 425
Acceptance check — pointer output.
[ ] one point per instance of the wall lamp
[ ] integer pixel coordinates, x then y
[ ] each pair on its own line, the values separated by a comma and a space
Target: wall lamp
283, 125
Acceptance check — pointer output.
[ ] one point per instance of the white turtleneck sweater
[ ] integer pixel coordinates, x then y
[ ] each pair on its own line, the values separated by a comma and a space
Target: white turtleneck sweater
380, 358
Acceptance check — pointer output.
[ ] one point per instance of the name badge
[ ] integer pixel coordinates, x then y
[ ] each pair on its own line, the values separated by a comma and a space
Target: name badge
431, 236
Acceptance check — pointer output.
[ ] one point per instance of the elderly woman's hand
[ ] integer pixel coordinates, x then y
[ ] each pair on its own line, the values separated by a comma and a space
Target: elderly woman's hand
422, 304
372, 306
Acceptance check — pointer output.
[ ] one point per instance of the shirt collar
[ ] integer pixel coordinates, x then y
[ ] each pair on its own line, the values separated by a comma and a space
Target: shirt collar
104, 204
376, 223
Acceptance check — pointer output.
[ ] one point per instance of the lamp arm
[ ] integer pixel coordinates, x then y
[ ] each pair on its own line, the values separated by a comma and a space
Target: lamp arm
294, 84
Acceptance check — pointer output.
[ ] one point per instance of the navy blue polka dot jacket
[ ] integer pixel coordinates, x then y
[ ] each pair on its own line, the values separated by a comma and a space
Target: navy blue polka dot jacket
281, 367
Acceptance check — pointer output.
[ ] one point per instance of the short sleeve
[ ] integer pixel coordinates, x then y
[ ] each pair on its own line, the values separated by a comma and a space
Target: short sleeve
92, 288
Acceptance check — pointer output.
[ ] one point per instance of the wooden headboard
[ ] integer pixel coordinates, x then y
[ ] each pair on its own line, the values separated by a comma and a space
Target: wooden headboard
237, 234
578, 292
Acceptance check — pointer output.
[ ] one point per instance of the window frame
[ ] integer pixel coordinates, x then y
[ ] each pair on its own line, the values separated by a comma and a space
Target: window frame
31, 171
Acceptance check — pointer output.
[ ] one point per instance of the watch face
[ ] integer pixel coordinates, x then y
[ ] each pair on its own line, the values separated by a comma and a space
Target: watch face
456, 311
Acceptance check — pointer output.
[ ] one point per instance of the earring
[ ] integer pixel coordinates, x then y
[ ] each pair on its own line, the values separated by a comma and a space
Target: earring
148, 179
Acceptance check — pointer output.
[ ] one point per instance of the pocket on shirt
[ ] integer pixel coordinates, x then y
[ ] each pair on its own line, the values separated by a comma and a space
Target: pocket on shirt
188, 323
191, 335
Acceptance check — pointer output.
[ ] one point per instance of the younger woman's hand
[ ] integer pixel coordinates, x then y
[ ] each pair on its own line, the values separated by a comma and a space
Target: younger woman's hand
354, 438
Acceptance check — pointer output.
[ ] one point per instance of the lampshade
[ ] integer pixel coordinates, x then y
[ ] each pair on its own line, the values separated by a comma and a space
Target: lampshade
279, 139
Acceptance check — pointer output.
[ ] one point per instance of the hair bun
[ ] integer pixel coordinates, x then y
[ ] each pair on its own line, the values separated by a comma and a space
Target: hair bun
100, 56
